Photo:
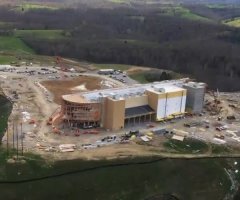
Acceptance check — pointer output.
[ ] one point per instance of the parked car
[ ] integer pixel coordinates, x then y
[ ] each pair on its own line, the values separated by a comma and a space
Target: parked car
221, 128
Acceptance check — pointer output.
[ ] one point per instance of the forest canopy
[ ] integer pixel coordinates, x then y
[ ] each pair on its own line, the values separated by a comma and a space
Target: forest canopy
190, 39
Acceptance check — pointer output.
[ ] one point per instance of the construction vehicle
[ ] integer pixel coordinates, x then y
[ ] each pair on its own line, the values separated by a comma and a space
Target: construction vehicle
59, 62
219, 136
55, 115
56, 130
49, 121
63, 67
221, 128
32, 121
150, 125
91, 132
231, 117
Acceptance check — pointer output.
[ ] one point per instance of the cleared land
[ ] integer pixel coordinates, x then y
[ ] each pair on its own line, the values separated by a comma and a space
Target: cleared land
112, 66
59, 88
6, 59
36, 6
13, 49
235, 22
23, 58
14, 44
182, 12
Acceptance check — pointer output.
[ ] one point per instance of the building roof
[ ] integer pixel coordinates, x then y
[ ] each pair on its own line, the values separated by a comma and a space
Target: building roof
126, 91
165, 89
75, 98
135, 90
195, 85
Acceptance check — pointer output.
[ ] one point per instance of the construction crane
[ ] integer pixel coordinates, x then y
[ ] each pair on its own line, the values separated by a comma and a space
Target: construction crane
60, 63
55, 114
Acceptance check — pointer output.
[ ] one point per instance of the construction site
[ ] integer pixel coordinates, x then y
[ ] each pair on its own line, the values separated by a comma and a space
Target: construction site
115, 109
70, 110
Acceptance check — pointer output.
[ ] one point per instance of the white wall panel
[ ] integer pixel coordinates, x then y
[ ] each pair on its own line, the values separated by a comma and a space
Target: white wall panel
161, 108
184, 104
170, 106
173, 105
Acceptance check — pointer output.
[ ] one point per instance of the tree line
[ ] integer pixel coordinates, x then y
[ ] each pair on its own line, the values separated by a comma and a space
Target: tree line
207, 51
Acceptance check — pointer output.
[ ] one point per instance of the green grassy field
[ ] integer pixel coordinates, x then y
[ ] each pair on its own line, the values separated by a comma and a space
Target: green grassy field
6, 24
9, 43
183, 12
6, 59
220, 149
136, 42
34, 6
119, 1
125, 182
187, 146
140, 77
40, 34
221, 6
186, 179
233, 22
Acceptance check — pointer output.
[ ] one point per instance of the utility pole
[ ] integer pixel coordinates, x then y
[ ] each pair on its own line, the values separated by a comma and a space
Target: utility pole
22, 138
7, 142
13, 134
17, 139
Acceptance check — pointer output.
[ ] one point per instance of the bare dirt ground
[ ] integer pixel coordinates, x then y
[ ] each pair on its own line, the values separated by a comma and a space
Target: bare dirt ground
135, 70
63, 87
35, 102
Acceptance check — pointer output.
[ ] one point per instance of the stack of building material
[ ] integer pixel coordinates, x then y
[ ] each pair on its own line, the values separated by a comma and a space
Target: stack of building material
179, 134
177, 137
146, 138
159, 131
67, 147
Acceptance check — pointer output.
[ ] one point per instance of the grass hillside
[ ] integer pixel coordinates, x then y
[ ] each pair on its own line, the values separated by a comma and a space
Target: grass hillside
9, 43
172, 37
24, 7
11, 48
181, 11
233, 22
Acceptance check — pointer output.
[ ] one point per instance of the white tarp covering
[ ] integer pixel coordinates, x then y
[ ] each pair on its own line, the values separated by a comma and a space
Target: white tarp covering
169, 106
26, 116
146, 138
218, 141
178, 137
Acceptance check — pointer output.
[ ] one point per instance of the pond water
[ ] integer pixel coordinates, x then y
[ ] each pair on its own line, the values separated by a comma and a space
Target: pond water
164, 179
126, 179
